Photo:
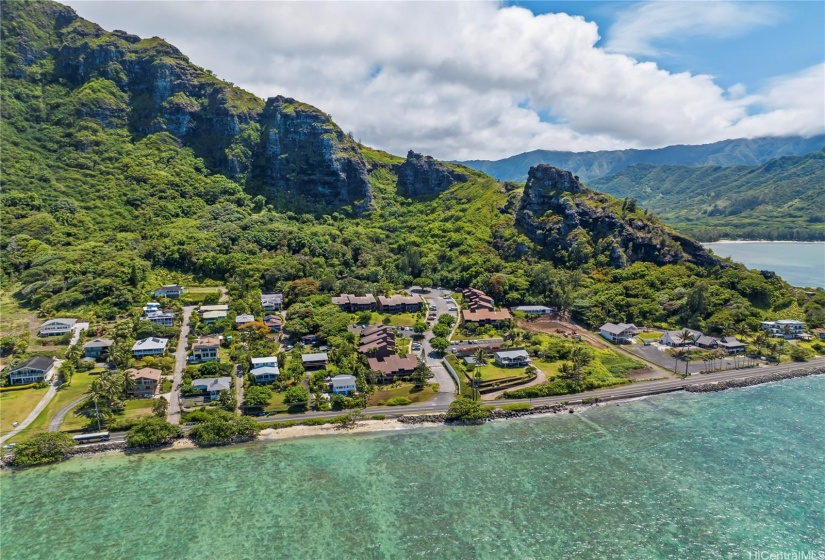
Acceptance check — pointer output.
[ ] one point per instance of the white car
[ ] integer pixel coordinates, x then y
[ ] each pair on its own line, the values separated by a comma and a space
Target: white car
453, 308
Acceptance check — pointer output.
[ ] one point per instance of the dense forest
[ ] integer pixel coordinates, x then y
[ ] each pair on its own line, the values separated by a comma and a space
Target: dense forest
125, 166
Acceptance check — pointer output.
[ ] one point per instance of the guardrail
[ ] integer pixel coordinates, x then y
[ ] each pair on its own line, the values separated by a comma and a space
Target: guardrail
450, 369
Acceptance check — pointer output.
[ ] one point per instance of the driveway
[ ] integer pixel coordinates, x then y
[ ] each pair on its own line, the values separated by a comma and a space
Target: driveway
660, 356
76, 330
446, 384
173, 416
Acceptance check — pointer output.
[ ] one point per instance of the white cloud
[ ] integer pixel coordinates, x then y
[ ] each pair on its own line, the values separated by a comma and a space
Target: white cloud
637, 29
461, 80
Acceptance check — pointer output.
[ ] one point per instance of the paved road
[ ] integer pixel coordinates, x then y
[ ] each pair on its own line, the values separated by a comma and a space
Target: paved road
57, 419
238, 388
446, 384
173, 416
47, 398
76, 330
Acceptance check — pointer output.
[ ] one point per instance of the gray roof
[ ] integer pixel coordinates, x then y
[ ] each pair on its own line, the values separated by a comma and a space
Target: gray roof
533, 308
512, 354
38, 362
244, 318
266, 370
69, 322
99, 343
213, 383
151, 342
676, 336
265, 360
317, 357
272, 299
614, 329
343, 379
705, 340
730, 341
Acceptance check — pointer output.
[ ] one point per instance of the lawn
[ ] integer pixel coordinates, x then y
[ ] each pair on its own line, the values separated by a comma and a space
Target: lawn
650, 335
276, 403
135, 408
15, 318
408, 390
466, 389
397, 320
549, 368
16, 405
80, 384
492, 372
166, 385
197, 295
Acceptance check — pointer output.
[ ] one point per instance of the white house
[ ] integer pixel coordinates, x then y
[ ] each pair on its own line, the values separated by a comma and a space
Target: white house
618, 334
674, 338
151, 346
267, 361
32, 370
535, 309
244, 318
511, 358
786, 328
265, 374
272, 302
212, 386
731, 345
57, 327
170, 291
343, 384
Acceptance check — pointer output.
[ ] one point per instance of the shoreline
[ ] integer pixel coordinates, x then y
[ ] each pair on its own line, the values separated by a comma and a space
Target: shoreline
438, 420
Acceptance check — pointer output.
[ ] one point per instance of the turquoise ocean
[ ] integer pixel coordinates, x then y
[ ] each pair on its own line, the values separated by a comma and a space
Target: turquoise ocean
799, 264
723, 475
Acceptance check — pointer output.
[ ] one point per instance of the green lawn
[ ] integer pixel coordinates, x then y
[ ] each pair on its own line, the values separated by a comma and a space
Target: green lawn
549, 368
492, 372
15, 318
397, 320
416, 395
650, 335
276, 403
166, 386
135, 408
16, 405
462, 379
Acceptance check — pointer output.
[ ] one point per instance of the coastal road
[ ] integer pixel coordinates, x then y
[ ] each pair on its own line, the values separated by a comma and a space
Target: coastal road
173, 416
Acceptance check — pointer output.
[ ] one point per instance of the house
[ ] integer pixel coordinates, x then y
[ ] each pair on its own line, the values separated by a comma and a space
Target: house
266, 374
820, 333
484, 316
272, 302
97, 347
212, 386
205, 348
380, 341
212, 313
243, 319
57, 327
146, 381
343, 384
674, 338
706, 342
731, 345
476, 299
215, 307
399, 304
153, 313
151, 346
317, 360
535, 309
785, 328
170, 291
267, 361
32, 370
512, 358
274, 322
394, 365
618, 334
353, 303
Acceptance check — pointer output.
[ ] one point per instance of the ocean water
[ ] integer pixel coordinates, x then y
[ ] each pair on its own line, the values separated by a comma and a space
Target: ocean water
723, 475
799, 264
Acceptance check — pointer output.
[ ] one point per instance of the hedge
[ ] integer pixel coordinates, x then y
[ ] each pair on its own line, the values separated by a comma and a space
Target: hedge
16, 387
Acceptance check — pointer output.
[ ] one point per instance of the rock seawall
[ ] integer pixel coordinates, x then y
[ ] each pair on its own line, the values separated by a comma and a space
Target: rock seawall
497, 414
751, 381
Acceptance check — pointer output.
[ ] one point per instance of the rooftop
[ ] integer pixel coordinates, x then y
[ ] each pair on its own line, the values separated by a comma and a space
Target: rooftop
38, 362
317, 357
213, 383
144, 373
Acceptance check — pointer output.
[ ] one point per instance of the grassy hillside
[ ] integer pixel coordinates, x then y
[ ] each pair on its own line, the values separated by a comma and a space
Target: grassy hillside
783, 198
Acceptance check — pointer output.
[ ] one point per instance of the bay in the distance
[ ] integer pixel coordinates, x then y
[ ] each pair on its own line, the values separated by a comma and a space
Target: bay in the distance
798, 263
674, 476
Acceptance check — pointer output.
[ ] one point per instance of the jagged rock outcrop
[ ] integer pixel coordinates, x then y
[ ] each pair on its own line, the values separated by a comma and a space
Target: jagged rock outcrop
303, 153
568, 220
422, 176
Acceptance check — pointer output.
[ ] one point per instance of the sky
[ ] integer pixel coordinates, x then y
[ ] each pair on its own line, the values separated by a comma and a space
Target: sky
487, 80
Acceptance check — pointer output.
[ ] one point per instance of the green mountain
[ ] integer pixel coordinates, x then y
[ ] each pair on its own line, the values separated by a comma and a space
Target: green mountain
592, 165
125, 166
783, 198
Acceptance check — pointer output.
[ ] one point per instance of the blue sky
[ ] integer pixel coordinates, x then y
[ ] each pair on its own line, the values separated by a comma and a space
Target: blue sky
487, 79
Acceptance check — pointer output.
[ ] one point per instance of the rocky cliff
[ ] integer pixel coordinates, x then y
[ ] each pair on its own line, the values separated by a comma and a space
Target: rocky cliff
570, 221
148, 86
422, 176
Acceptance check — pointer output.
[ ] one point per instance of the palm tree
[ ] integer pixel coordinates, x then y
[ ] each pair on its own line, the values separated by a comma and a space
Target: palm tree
127, 381
480, 361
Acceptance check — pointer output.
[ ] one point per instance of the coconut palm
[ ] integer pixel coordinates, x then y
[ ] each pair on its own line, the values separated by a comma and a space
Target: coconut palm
480, 361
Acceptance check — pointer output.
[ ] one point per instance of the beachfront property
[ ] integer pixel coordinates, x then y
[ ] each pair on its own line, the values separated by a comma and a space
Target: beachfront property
243, 319
399, 304
622, 333
315, 361
211, 313
272, 302
731, 345
274, 322
353, 303
32, 370
674, 338
784, 328
97, 347
151, 346
170, 291
147, 381
512, 358
206, 348
535, 309
343, 384
154, 314
265, 374
57, 327
212, 386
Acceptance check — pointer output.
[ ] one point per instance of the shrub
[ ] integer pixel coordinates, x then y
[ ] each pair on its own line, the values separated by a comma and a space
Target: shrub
799, 354
398, 401
16, 387
378, 416
41, 449
467, 410
517, 407
219, 430
151, 432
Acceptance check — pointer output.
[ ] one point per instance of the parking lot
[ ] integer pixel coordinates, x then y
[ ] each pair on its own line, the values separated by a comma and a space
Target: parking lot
660, 356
